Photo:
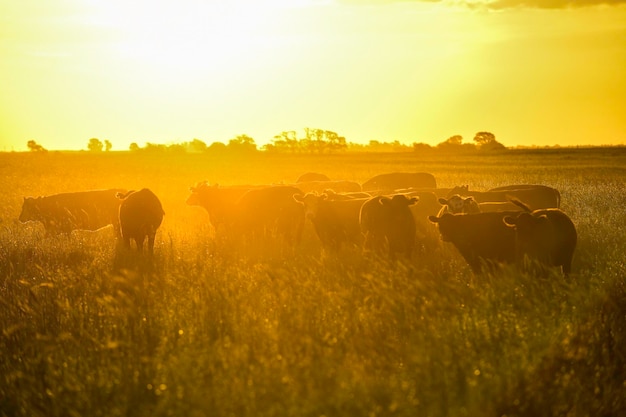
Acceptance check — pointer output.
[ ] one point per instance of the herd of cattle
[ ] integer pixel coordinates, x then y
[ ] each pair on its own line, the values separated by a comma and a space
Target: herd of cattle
391, 215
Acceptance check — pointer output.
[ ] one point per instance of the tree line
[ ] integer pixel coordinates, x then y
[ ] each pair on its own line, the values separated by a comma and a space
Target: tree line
314, 141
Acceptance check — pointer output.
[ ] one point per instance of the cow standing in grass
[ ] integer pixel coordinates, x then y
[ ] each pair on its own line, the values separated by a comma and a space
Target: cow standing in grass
85, 210
537, 197
388, 223
140, 215
482, 238
400, 180
336, 222
269, 212
547, 236
219, 202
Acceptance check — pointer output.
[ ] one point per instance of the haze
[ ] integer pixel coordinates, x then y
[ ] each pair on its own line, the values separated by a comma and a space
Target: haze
414, 71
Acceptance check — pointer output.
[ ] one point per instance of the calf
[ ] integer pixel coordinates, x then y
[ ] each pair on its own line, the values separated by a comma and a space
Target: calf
140, 216
547, 236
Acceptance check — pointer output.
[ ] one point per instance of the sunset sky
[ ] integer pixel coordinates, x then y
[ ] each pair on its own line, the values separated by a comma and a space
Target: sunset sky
533, 72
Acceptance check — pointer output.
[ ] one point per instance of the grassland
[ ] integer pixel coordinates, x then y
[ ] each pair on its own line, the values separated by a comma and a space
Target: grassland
204, 331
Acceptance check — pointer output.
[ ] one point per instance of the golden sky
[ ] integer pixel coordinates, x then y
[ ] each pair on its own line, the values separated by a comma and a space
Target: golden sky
533, 72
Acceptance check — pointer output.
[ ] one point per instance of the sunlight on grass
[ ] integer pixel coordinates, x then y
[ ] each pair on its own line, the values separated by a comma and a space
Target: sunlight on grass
203, 330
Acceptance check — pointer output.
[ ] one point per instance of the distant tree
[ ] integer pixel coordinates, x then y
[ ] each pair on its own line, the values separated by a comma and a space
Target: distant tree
487, 141
286, 141
197, 145
134, 147
35, 147
107, 145
420, 147
154, 147
95, 145
216, 147
242, 143
455, 144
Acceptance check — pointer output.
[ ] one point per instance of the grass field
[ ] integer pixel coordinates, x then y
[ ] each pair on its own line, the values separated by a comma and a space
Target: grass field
205, 331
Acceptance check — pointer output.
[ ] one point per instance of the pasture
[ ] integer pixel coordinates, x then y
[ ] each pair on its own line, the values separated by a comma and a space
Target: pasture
203, 330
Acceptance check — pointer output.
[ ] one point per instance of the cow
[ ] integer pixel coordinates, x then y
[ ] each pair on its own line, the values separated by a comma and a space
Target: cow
399, 180
547, 189
336, 222
482, 238
269, 212
456, 204
333, 195
219, 202
140, 215
537, 198
338, 186
500, 206
312, 176
84, 210
388, 223
547, 236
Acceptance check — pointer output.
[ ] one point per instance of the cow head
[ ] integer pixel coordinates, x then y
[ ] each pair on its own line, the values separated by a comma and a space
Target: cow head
399, 200
458, 204
30, 210
200, 191
447, 224
311, 203
532, 232
460, 190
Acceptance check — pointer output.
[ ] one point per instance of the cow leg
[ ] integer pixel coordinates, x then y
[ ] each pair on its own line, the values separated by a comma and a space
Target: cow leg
151, 244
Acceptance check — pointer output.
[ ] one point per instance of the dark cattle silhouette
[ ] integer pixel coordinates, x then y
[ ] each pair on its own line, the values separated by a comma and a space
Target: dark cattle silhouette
548, 236
140, 216
547, 189
499, 206
312, 176
400, 180
336, 222
482, 238
389, 223
534, 197
85, 210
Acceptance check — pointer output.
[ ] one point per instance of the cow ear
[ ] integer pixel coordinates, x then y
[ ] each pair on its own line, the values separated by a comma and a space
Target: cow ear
413, 200
298, 197
442, 201
510, 221
543, 219
434, 219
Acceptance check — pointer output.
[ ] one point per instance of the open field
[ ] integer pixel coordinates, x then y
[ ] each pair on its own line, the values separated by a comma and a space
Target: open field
205, 331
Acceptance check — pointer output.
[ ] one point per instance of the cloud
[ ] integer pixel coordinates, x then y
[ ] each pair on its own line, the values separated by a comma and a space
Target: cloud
544, 4
499, 4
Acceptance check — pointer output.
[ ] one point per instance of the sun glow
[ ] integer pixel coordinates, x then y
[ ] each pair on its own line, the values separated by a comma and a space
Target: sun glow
191, 34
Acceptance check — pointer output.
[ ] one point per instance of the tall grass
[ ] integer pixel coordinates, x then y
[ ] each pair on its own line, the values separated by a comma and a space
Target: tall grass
203, 330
